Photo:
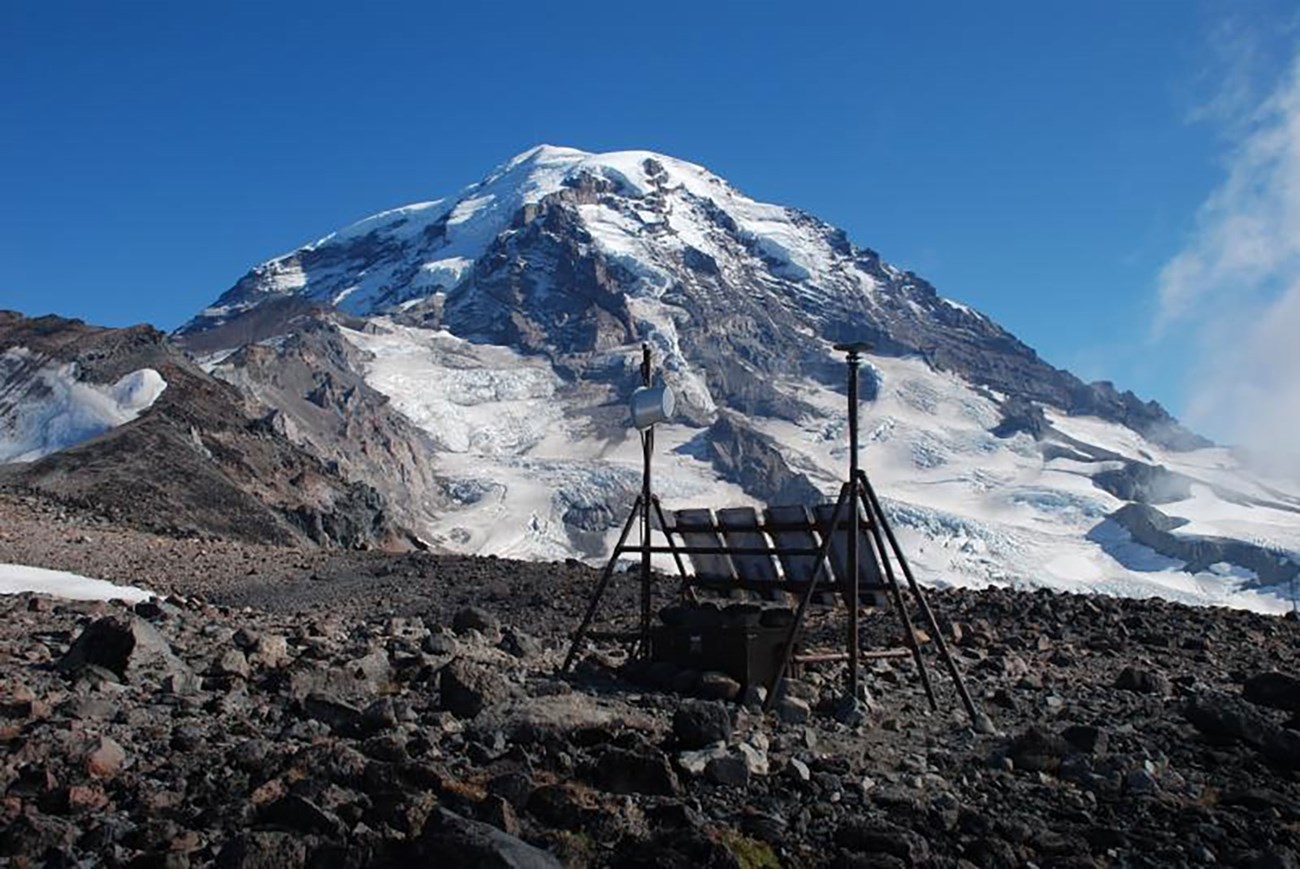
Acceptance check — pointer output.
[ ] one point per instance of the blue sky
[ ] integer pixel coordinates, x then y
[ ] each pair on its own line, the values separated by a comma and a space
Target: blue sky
1044, 162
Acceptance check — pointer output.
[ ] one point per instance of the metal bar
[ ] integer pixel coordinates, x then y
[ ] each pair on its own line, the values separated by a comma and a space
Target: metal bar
684, 549
684, 589
867, 654
976, 718
823, 566
854, 621
901, 605
672, 547
580, 635
647, 445
647, 451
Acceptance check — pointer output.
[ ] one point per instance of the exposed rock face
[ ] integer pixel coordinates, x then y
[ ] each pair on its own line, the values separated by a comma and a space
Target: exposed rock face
1152, 528
321, 403
746, 456
1144, 484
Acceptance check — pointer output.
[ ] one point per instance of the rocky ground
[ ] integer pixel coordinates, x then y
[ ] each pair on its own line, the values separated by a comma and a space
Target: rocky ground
285, 707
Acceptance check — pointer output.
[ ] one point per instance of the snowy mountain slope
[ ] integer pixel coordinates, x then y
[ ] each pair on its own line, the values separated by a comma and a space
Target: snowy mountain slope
504, 324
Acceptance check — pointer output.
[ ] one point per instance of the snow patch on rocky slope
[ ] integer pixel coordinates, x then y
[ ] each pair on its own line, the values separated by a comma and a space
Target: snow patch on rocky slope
48, 408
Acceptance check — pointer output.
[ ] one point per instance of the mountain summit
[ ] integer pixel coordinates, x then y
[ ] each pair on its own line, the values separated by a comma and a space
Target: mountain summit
560, 249
469, 357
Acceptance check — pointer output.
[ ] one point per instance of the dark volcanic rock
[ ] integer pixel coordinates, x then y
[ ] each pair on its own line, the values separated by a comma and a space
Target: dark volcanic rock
593, 770
126, 646
701, 723
466, 688
1142, 681
621, 771
1275, 690
1144, 484
1020, 415
1226, 719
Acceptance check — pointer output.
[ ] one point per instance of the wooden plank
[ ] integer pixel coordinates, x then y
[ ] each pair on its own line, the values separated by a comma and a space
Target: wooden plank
869, 577
792, 533
698, 530
741, 531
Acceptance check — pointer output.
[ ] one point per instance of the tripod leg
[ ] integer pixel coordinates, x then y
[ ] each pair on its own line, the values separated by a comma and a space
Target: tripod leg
822, 566
686, 590
978, 719
873, 523
581, 633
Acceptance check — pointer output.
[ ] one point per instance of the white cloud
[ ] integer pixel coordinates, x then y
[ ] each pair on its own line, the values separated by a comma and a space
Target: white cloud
1234, 289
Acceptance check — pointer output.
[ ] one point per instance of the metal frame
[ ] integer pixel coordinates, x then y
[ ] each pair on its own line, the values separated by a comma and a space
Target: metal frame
863, 512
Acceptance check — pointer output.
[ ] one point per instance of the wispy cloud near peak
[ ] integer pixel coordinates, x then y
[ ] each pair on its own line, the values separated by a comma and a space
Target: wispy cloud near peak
1234, 289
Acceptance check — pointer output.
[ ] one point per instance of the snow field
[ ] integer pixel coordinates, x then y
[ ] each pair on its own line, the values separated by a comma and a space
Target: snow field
18, 578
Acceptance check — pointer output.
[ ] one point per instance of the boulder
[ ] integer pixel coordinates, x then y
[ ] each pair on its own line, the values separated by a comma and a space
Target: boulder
728, 770
451, 840
131, 648
474, 618
1274, 690
622, 771
468, 688
1038, 749
870, 836
1143, 681
714, 685
701, 723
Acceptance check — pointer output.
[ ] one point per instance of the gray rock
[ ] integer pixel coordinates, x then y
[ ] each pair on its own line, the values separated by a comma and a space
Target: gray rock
232, 663
130, 648
1274, 690
696, 761
728, 770
466, 688
1143, 681
519, 644
263, 849
798, 770
301, 815
621, 771
452, 840
755, 758
1087, 738
334, 713
1141, 782
474, 619
792, 710
718, 686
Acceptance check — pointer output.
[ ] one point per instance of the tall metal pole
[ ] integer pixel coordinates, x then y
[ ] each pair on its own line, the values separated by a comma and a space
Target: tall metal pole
647, 449
853, 355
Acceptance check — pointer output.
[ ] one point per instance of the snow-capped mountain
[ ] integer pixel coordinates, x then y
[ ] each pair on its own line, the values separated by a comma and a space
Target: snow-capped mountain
470, 357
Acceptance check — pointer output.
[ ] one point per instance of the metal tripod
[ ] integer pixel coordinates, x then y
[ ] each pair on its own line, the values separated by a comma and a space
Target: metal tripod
644, 511
858, 502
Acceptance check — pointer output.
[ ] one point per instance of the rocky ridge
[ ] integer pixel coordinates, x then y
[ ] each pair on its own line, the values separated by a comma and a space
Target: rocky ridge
205, 459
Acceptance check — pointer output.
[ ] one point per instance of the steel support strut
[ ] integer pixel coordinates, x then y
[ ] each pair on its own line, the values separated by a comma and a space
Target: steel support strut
647, 450
581, 634
854, 359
